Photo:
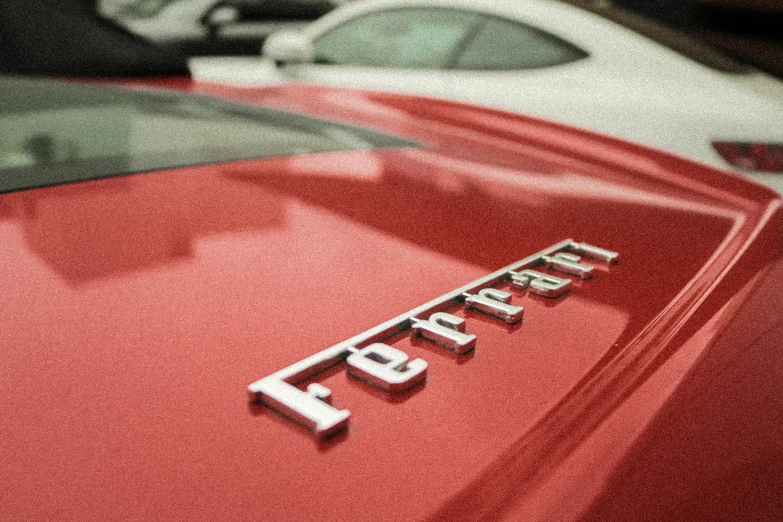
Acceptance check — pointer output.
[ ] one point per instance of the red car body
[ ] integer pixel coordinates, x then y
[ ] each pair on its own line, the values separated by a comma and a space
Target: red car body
139, 308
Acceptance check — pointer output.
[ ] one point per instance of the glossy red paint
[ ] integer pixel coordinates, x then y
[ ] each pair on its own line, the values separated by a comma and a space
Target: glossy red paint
138, 309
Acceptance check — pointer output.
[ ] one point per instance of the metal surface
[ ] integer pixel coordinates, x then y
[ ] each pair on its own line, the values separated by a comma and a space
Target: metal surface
137, 310
387, 367
541, 284
307, 408
569, 264
446, 330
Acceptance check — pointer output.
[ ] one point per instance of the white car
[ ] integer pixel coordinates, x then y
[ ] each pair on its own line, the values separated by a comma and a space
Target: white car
597, 68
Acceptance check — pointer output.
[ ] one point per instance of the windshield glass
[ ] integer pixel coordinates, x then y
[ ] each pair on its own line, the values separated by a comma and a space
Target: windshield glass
52, 133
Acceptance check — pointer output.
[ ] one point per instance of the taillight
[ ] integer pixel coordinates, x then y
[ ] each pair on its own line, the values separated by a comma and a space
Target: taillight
762, 157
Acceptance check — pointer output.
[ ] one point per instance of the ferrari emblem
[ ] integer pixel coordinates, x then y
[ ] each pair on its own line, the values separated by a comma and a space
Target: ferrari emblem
388, 368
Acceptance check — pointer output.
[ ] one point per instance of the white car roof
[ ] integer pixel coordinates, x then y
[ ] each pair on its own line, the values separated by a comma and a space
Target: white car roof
586, 25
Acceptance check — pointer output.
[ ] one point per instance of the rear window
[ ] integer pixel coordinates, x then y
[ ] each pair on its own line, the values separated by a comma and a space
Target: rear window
499, 44
144, 8
53, 133
674, 40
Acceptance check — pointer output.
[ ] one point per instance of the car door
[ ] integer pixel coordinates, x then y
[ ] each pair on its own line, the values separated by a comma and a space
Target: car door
404, 49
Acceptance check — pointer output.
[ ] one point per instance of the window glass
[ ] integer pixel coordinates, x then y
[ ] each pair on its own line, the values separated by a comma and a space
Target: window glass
144, 8
400, 38
52, 133
504, 45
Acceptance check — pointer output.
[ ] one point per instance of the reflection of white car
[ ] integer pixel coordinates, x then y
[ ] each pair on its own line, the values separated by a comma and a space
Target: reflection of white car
575, 64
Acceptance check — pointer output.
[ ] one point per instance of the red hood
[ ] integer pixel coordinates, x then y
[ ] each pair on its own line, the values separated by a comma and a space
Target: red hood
138, 309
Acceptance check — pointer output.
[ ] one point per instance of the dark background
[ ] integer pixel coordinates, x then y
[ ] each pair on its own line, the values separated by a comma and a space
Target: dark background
750, 30
67, 37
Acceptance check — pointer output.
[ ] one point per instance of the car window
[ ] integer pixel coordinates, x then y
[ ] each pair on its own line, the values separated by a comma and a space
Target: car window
504, 45
144, 8
53, 133
398, 38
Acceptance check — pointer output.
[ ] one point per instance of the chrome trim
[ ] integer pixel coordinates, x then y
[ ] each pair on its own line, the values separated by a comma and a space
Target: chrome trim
312, 407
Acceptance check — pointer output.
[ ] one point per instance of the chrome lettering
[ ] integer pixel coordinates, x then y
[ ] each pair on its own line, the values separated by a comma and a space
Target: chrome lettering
386, 367
310, 408
446, 330
607, 256
496, 303
569, 264
540, 284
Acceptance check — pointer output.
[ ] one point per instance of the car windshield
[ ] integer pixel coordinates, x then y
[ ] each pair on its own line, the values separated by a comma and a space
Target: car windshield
53, 133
